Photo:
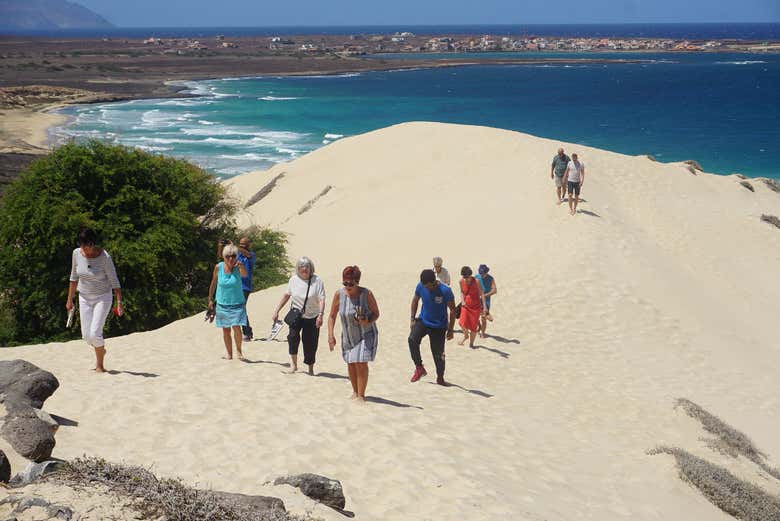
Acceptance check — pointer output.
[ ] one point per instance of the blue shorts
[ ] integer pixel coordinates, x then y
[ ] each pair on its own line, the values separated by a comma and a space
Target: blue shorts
574, 188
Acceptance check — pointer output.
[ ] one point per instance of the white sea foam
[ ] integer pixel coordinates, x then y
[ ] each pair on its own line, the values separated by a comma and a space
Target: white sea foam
345, 75
150, 148
249, 157
333, 136
745, 62
156, 118
276, 98
289, 151
159, 140
325, 141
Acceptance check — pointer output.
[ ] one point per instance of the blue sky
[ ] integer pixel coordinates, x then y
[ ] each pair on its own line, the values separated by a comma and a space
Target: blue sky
255, 13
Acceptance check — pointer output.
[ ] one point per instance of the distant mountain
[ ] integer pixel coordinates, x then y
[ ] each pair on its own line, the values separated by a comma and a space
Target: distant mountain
35, 15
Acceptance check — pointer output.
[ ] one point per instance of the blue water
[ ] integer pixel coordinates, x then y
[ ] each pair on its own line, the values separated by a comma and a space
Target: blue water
719, 109
704, 31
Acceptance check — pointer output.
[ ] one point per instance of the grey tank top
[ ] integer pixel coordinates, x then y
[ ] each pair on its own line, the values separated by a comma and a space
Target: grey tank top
352, 332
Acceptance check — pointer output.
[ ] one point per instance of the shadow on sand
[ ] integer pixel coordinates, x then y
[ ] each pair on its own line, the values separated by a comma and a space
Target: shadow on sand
333, 376
504, 340
133, 373
385, 401
248, 361
64, 422
588, 212
483, 394
502, 354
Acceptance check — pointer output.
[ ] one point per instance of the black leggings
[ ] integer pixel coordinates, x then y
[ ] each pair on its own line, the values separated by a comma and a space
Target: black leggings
247, 329
436, 336
311, 335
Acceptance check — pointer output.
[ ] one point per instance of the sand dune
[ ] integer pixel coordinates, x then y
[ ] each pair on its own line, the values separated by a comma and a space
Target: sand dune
663, 287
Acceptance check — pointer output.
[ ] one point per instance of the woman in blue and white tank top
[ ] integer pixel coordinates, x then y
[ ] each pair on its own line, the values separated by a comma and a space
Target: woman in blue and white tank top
358, 310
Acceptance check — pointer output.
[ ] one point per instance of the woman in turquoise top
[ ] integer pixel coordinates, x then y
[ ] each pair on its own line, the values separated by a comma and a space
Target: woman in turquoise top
231, 305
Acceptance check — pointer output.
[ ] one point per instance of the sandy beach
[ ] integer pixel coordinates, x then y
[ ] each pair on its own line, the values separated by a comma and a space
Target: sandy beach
661, 287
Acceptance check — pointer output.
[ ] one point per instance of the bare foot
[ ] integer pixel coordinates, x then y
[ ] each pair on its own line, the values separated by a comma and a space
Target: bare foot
241, 356
311, 370
100, 370
360, 400
227, 358
354, 395
462, 342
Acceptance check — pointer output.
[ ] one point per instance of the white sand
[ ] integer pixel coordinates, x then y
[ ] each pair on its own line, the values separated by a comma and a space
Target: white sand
602, 322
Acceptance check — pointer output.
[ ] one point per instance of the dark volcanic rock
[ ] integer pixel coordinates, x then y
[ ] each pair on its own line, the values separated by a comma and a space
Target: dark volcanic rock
325, 490
24, 383
23, 389
252, 504
30, 436
5, 468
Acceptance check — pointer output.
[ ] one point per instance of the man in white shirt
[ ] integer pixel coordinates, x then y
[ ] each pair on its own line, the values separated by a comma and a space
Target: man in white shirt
574, 178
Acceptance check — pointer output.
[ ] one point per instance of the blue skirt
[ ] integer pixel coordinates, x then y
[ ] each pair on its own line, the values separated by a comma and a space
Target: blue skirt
229, 315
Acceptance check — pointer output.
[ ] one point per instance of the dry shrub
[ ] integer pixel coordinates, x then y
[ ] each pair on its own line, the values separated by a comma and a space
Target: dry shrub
155, 497
771, 219
773, 185
723, 489
747, 185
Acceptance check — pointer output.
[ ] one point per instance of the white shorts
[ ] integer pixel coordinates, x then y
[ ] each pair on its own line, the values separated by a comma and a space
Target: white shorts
93, 312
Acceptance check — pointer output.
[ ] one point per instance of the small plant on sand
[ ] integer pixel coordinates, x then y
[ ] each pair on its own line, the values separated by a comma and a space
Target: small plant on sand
728, 440
771, 219
772, 185
154, 497
731, 494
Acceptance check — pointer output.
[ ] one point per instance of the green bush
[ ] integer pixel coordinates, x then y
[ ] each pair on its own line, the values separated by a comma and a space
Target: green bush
271, 265
158, 217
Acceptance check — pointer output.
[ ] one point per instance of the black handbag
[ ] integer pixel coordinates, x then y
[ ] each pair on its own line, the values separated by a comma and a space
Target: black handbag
294, 316
457, 310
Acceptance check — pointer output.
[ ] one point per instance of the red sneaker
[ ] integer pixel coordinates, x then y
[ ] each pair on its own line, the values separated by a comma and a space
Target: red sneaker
419, 373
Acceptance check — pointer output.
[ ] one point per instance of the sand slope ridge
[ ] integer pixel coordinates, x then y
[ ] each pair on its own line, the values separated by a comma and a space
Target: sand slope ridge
664, 287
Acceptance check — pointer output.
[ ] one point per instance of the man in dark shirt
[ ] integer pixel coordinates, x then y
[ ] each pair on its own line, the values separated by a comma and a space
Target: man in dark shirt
557, 170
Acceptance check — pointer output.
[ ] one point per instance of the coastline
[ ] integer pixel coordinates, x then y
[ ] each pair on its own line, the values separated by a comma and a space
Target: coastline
27, 130
96, 71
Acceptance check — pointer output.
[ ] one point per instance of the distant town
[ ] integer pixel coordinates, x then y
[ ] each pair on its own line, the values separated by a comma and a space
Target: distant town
407, 42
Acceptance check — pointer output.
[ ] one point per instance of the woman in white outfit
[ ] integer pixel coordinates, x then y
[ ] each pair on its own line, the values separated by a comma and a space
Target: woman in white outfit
93, 273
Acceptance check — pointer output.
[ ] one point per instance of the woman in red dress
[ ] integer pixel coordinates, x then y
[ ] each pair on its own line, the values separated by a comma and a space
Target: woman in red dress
472, 301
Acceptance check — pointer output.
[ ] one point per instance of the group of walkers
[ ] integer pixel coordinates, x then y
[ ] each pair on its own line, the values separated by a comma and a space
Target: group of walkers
569, 175
357, 310
94, 276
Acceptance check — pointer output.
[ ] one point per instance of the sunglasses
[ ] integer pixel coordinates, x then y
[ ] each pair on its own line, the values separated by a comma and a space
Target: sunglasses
233, 256
349, 284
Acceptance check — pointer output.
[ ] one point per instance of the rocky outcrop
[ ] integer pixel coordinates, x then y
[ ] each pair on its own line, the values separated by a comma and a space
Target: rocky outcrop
258, 505
320, 488
5, 468
23, 389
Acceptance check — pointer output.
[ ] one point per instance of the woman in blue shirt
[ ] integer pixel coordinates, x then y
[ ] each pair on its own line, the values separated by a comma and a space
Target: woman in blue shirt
230, 304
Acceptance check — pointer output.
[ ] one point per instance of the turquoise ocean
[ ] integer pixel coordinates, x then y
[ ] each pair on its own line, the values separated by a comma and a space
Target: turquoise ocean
721, 109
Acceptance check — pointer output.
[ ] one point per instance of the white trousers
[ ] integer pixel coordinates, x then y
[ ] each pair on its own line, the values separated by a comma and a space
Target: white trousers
93, 312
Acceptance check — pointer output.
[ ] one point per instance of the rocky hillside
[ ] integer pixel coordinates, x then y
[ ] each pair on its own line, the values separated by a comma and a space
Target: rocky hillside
21, 15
